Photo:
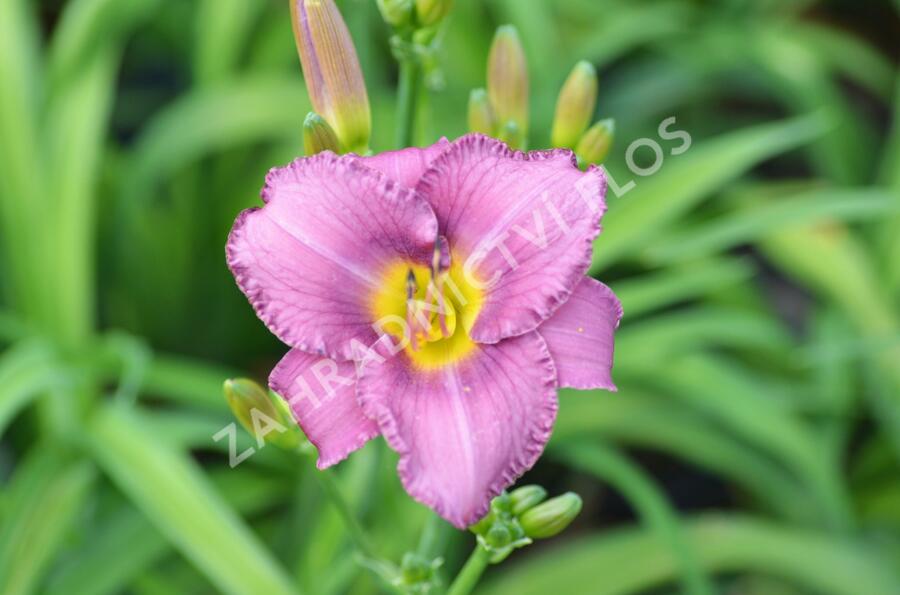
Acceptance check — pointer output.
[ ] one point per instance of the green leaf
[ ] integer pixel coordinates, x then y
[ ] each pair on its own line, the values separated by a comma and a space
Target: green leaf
849, 56
637, 419
633, 561
22, 202
706, 382
610, 465
47, 493
801, 80
211, 120
126, 543
834, 263
637, 217
187, 381
647, 343
26, 371
756, 220
88, 27
174, 494
222, 30
77, 122
667, 287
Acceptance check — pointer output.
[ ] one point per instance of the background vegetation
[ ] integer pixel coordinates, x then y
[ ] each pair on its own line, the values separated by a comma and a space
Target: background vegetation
753, 447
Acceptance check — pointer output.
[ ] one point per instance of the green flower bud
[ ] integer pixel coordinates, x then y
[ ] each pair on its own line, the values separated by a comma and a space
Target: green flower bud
511, 134
481, 116
501, 505
498, 537
430, 12
594, 146
260, 415
575, 106
551, 517
418, 574
526, 497
396, 13
318, 136
482, 526
332, 72
507, 79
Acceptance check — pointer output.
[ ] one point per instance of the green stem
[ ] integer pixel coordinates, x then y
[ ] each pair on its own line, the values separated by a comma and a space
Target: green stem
471, 572
408, 93
357, 533
428, 542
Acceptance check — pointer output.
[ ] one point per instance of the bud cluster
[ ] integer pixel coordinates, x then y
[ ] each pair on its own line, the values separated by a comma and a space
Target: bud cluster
416, 14
574, 110
518, 518
416, 24
501, 110
419, 575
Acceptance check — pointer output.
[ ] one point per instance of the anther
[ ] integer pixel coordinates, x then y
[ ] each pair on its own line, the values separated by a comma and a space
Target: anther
411, 289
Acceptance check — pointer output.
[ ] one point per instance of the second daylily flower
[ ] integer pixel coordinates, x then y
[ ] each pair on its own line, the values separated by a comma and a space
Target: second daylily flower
436, 297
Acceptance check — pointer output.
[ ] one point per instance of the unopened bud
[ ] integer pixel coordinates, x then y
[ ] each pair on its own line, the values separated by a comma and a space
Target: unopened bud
551, 517
507, 79
498, 537
575, 106
511, 134
318, 136
430, 12
482, 526
419, 574
396, 13
260, 415
481, 116
332, 72
526, 497
594, 146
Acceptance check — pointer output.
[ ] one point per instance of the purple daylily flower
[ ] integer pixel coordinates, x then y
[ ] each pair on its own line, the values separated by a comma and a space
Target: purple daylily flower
436, 297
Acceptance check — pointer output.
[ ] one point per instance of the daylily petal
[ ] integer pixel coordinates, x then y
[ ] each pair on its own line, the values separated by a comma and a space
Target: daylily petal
580, 336
524, 223
322, 395
466, 431
406, 166
309, 259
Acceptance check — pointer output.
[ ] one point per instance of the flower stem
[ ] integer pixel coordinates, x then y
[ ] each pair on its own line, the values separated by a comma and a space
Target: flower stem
471, 572
357, 533
408, 94
428, 542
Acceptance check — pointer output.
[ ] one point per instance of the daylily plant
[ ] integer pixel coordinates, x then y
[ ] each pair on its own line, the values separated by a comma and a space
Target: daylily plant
436, 297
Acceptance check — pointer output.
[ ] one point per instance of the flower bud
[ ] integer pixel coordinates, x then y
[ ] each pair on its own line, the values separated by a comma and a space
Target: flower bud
483, 525
318, 136
501, 505
332, 72
575, 106
595, 144
481, 116
507, 79
526, 497
511, 134
498, 537
396, 13
419, 574
259, 414
551, 517
430, 12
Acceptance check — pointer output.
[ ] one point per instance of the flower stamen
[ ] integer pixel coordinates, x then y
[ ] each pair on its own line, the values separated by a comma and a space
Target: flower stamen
411, 289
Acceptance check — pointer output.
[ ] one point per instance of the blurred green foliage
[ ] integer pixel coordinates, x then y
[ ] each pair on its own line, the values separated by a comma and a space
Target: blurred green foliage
756, 433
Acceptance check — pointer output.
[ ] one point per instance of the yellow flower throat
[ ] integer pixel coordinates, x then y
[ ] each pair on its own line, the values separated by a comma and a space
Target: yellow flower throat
430, 311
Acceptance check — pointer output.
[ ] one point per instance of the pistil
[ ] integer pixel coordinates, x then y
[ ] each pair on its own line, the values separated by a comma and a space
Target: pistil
411, 289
